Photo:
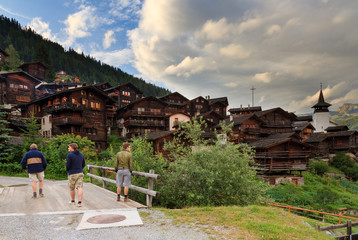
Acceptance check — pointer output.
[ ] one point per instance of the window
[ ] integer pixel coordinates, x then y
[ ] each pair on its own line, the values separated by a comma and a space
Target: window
83, 93
56, 101
199, 106
140, 110
85, 102
64, 99
155, 110
98, 106
50, 119
126, 93
43, 121
90, 94
93, 105
22, 98
49, 103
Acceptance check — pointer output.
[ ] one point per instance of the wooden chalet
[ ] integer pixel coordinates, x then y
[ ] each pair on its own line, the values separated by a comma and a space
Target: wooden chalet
36, 69
124, 94
276, 120
158, 139
3, 56
17, 88
85, 111
197, 106
212, 119
176, 103
276, 154
142, 116
46, 89
303, 128
103, 86
332, 142
218, 105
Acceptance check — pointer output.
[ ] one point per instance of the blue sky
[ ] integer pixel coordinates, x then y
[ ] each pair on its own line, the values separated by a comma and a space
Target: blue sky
285, 49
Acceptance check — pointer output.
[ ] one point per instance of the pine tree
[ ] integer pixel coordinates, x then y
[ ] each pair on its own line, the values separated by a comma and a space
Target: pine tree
32, 132
4, 137
13, 60
43, 56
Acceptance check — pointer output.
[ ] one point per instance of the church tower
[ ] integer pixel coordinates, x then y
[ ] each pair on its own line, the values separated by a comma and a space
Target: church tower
321, 114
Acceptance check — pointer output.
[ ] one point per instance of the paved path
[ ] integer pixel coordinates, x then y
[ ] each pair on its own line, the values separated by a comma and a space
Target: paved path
15, 198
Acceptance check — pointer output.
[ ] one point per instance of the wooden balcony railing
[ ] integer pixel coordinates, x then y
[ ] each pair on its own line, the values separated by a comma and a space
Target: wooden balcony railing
69, 120
65, 106
156, 123
143, 113
281, 166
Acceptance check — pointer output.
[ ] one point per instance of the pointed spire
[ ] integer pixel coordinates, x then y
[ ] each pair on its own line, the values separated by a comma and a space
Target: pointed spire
321, 105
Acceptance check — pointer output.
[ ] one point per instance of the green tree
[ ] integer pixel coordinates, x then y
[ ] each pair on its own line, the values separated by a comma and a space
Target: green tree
4, 137
56, 150
31, 133
319, 167
42, 55
209, 175
13, 60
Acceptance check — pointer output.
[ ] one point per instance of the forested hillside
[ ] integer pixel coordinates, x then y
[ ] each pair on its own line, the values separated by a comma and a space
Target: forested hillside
29, 45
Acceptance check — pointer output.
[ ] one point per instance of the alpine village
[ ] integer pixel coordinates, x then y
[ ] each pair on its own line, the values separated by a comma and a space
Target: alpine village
284, 143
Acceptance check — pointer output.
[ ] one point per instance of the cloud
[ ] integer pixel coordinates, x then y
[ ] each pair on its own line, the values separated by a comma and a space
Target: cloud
124, 9
284, 48
108, 39
263, 77
14, 13
116, 58
41, 28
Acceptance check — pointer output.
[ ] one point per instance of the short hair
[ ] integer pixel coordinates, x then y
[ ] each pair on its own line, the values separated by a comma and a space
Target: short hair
33, 146
126, 145
74, 146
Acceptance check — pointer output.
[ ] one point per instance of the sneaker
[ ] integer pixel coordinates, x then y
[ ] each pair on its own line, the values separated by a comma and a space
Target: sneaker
118, 199
79, 204
34, 197
41, 194
126, 200
72, 202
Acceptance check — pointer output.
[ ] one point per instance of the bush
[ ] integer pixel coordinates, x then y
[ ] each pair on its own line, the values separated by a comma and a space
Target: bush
319, 167
344, 163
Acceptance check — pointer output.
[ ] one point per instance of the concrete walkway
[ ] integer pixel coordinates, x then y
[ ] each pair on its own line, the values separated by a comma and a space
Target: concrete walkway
15, 198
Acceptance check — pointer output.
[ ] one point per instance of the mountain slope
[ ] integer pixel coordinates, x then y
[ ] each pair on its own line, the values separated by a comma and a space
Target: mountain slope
347, 114
86, 68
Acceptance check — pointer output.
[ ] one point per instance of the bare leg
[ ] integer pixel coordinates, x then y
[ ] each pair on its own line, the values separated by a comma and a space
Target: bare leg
73, 194
126, 191
34, 185
80, 194
41, 184
119, 190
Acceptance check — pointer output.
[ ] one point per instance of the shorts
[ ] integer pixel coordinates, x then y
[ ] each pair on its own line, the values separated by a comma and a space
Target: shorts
75, 181
37, 176
123, 178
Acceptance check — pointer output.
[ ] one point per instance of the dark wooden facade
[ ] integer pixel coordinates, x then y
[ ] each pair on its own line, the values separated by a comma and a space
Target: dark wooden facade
235, 112
142, 116
197, 106
303, 128
276, 120
124, 94
85, 111
158, 139
36, 69
281, 154
17, 88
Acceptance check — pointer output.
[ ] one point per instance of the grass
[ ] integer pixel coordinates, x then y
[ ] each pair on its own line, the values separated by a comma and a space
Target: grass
251, 222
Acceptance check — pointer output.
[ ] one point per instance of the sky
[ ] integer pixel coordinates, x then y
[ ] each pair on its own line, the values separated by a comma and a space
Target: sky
283, 49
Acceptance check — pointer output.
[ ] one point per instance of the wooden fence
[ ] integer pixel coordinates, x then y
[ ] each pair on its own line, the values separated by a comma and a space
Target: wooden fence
151, 176
347, 225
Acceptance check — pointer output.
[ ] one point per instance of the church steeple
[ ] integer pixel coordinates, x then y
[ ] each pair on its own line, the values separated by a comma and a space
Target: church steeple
321, 105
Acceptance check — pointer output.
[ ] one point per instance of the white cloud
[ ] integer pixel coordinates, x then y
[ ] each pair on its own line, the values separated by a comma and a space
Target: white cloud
108, 39
286, 48
115, 58
263, 77
41, 28
124, 9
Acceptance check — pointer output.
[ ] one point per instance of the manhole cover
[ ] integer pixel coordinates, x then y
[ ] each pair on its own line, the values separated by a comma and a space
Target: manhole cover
106, 218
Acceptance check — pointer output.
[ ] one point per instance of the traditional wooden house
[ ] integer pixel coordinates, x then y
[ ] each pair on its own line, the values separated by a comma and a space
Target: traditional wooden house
46, 89
158, 139
276, 121
17, 88
85, 111
103, 86
281, 154
124, 94
36, 69
303, 128
218, 105
212, 119
142, 116
246, 128
197, 106
3, 56
176, 103
331, 142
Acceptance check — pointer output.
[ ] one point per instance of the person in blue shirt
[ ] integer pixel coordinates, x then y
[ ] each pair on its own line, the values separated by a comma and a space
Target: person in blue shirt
75, 162
34, 163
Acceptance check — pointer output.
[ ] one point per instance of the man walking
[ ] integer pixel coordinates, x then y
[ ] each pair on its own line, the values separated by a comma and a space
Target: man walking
123, 167
35, 164
75, 162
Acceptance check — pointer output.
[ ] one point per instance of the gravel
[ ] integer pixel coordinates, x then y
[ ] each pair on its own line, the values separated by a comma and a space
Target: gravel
63, 227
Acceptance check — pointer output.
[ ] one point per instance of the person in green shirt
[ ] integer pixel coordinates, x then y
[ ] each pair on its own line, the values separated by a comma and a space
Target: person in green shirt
123, 167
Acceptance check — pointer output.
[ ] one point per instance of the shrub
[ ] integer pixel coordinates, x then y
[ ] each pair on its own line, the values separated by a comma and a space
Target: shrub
319, 167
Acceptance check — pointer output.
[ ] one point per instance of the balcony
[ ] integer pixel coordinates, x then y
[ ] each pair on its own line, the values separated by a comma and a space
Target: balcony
252, 130
144, 123
143, 113
68, 121
65, 106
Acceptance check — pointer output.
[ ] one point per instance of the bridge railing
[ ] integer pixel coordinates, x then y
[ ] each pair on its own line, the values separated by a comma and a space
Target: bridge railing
148, 191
